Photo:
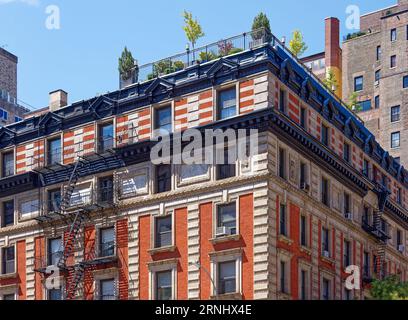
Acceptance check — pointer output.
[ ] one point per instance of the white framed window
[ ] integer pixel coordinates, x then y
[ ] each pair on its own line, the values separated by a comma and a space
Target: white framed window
163, 281
29, 208
226, 219
226, 103
284, 271
226, 271
134, 184
9, 293
81, 195
106, 242
163, 234
193, 173
106, 285
326, 242
304, 282
8, 260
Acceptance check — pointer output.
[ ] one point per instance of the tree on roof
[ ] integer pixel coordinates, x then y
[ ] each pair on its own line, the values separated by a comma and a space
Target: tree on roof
192, 28
297, 45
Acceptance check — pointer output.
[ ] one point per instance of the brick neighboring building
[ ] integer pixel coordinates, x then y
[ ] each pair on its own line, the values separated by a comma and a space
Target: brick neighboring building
375, 65
10, 111
81, 193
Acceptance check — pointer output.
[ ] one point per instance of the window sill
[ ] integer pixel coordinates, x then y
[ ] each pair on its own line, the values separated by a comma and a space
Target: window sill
162, 250
285, 239
8, 276
227, 296
328, 260
235, 237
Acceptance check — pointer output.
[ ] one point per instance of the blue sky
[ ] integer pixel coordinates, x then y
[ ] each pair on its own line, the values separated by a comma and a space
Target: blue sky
81, 57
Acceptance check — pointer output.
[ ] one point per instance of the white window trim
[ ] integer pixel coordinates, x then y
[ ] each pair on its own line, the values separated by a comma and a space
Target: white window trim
230, 200
2, 153
9, 290
331, 278
154, 182
97, 131
153, 219
98, 237
132, 174
46, 147
286, 204
14, 245
4, 200
330, 231
98, 277
192, 180
215, 260
33, 213
164, 104
153, 269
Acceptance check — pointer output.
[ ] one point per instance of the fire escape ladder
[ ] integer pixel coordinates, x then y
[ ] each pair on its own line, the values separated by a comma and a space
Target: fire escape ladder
78, 275
382, 241
70, 188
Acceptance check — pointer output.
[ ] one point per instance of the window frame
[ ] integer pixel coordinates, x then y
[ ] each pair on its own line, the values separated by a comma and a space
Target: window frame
405, 82
100, 288
323, 242
3, 262
217, 205
156, 109
100, 243
3, 213
325, 194
49, 150
393, 61
4, 167
218, 109
282, 163
100, 147
325, 135
394, 146
395, 116
358, 87
168, 215
156, 178
393, 35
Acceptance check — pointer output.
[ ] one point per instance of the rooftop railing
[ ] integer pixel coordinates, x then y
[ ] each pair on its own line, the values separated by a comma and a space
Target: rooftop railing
222, 48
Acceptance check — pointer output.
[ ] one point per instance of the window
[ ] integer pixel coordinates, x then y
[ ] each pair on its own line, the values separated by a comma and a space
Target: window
378, 53
163, 121
105, 192
106, 137
395, 114
282, 101
226, 170
54, 151
366, 168
358, 83
8, 164
54, 200
377, 102
325, 289
282, 163
163, 232
163, 285
227, 103
283, 276
325, 242
393, 34
347, 294
366, 216
9, 297
365, 105
399, 239
366, 266
163, 178
303, 284
395, 140
347, 203
54, 294
405, 82
325, 135
8, 214
107, 289
377, 75
227, 219
107, 242
8, 260
282, 220
325, 191
393, 61
346, 254
303, 176
375, 265
303, 117
398, 196
17, 119
54, 251
227, 277
346, 152
303, 231
3, 115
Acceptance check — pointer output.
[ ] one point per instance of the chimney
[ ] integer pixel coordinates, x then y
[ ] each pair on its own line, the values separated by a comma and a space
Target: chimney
58, 99
333, 51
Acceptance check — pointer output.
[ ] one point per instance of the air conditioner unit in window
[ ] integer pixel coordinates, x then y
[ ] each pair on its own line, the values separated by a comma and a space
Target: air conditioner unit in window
326, 254
221, 232
377, 83
349, 216
401, 248
304, 186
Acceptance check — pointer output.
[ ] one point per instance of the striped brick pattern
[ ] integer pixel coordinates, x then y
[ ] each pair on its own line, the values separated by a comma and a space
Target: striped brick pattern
246, 96
314, 125
78, 142
294, 112
29, 156
133, 127
193, 111
357, 159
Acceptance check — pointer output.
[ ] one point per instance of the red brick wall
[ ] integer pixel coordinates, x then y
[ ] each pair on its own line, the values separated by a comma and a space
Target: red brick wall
122, 240
39, 253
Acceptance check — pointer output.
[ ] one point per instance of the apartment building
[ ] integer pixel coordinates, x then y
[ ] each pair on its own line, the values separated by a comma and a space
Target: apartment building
79, 192
375, 66
10, 110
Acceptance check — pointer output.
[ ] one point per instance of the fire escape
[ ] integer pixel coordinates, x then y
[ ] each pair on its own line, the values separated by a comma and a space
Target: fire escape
75, 217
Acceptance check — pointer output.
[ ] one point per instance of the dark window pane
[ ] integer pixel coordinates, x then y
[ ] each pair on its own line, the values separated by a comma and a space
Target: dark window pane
303, 117
163, 119
107, 289
54, 251
226, 277
377, 102
107, 242
365, 105
106, 189
8, 213
405, 82
282, 220
106, 137
395, 113
358, 83
163, 286
163, 232
54, 151
226, 170
8, 164
325, 135
395, 140
163, 178
8, 260
54, 200
303, 228
393, 34
54, 294
227, 217
227, 103
393, 61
